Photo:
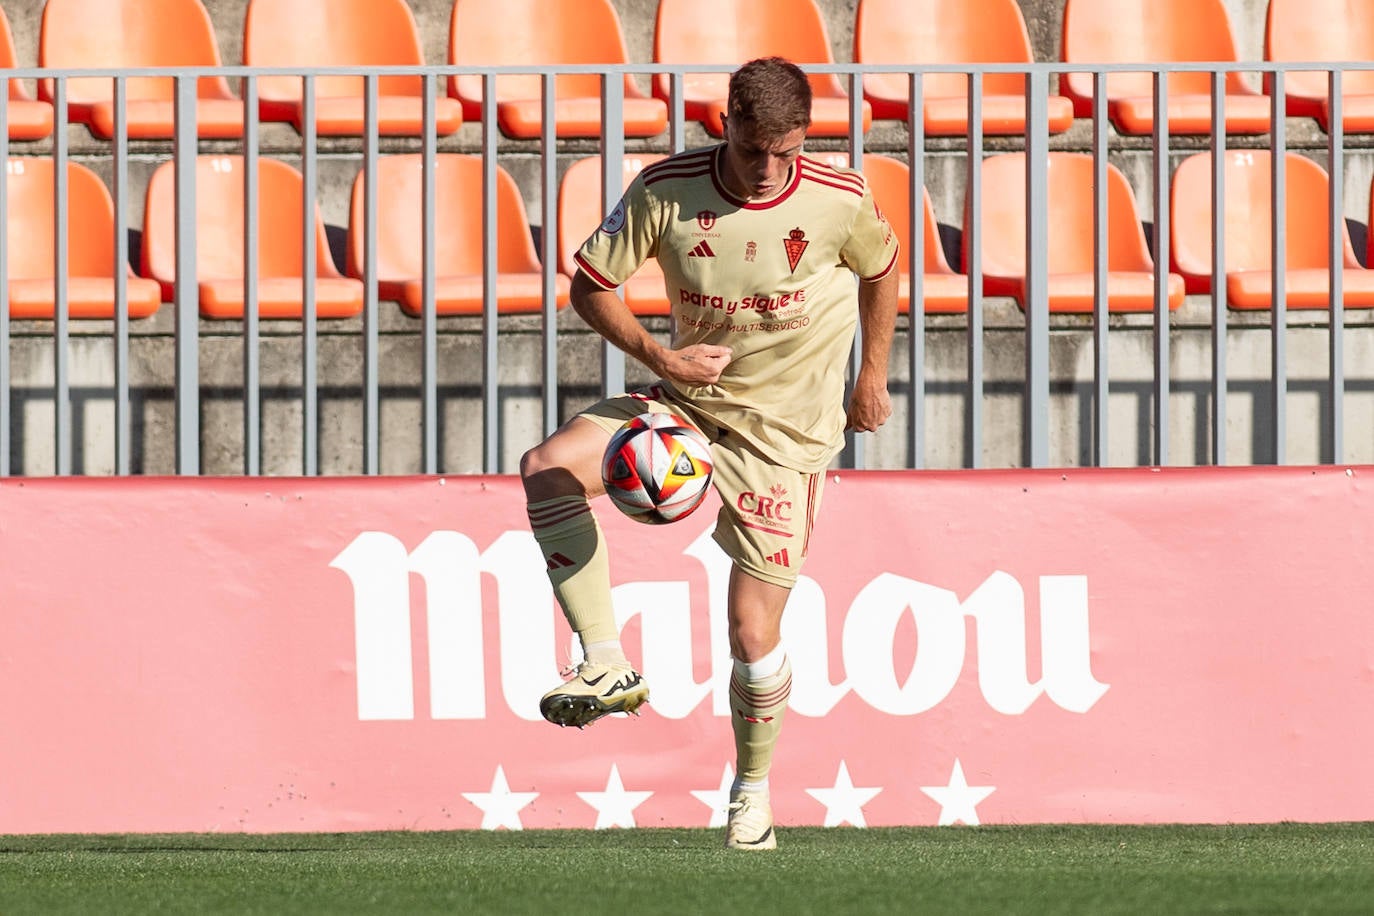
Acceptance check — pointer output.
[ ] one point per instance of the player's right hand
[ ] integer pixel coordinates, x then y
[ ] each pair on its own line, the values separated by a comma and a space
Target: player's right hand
695, 365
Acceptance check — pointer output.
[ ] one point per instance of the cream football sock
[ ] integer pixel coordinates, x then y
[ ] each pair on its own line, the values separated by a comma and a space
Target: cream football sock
575, 553
758, 699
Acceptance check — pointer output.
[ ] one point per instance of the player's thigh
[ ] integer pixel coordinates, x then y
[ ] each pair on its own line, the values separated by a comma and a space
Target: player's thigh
570, 458
766, 514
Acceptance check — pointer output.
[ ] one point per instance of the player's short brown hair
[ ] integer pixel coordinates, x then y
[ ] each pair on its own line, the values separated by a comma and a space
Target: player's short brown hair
771, 94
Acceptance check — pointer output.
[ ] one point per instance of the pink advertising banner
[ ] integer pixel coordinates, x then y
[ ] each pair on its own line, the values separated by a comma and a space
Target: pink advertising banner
1134, 646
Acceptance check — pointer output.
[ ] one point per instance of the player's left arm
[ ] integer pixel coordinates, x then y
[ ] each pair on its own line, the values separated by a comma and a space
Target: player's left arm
870, 404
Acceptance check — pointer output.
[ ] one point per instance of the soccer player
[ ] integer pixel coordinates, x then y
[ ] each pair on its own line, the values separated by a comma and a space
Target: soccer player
760, 247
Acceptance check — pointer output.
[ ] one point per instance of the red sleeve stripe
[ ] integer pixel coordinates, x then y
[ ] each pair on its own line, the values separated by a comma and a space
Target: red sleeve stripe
685, 165
816, 166
595, 275
888, 269
828, 174
686, 170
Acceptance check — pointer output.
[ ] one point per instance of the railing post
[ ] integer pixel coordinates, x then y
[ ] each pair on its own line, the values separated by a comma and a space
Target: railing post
1219, 334
1035, 404
1279, 277
916, 265
186, 295
612, 156
1336, 202
1161, 259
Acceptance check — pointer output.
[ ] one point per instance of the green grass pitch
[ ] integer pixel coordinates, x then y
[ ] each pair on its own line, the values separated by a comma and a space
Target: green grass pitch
1281, 868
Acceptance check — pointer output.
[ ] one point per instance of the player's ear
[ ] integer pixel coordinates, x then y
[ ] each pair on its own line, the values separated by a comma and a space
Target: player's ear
724, 126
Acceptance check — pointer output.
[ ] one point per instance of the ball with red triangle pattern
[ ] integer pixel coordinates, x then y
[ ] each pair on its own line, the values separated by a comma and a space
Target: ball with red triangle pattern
657, 468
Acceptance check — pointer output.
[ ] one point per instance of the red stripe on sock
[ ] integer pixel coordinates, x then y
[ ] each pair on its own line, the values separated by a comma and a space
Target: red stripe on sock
547, 518
760, 700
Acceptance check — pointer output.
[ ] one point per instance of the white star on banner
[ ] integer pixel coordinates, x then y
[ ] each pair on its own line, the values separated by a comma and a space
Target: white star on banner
614, 807
958, 800
718, 800
501, 807
844, 803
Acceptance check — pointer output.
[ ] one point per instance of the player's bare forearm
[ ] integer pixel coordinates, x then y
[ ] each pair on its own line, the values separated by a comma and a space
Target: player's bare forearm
607, 314
870, 404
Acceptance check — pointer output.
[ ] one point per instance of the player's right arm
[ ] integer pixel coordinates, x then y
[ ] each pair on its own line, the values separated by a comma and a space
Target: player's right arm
607, 314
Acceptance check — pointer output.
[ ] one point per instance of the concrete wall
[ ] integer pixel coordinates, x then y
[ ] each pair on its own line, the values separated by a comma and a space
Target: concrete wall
1249, 432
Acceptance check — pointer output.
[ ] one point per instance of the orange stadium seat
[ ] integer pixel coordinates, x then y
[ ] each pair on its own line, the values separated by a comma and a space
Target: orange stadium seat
944, 289
730, 32
1130, 268
31, 230
514, 32
219, 242
950, 32
458, 238
341, 33
579, 213
1324, 31
136, 33
1249, 218
29, 118
1162, 32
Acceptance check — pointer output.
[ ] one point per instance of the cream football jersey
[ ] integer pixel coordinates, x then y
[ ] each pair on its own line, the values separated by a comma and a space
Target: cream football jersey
774, 280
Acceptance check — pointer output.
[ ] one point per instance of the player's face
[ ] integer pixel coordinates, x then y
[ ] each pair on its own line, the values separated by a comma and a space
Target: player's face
757, 166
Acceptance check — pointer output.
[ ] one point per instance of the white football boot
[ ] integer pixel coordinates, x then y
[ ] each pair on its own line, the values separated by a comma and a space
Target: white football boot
751, 823
593, 691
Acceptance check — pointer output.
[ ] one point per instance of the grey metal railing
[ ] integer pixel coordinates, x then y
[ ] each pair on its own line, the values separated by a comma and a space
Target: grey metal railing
502, 436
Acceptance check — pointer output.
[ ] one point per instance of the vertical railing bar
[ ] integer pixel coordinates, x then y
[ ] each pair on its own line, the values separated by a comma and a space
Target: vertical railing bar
677, 107
1219, 299
186, 294
916, 260
429, 319
973, 408
371, 331
252, 357
1160, 144
1336, 340
1037, 396
1279, 279
310, 408
491, 377
5, 413
612, 156
62, 408
548, 197
1101, 326
120, 192
857, 443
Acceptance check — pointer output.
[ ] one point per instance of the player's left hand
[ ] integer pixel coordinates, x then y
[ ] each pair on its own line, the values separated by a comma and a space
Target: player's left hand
870, 404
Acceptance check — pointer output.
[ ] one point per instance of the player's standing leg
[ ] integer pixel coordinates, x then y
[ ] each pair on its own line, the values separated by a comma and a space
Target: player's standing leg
760, 685
560, 475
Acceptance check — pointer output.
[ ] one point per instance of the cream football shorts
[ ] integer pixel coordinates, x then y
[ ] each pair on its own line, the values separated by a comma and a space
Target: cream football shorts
767, 511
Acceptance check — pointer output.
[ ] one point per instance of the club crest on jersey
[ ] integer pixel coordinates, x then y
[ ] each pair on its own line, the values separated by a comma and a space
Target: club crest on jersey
615, 220
795, 243
751, 250
706, 219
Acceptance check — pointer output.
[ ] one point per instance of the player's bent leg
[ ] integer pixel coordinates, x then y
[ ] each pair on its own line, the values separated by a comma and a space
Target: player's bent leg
594, 690
559, 475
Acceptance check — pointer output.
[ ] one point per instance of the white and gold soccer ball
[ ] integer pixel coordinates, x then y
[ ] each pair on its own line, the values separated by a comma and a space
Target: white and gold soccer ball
657, 468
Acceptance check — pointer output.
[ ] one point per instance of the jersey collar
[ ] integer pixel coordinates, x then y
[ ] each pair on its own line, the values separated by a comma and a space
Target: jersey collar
718, 167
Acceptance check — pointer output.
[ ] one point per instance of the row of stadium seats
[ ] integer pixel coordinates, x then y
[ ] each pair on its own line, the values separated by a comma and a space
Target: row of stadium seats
295, 33
519, 287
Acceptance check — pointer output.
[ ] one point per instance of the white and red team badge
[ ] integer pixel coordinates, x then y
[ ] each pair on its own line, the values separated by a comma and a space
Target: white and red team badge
795, 243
